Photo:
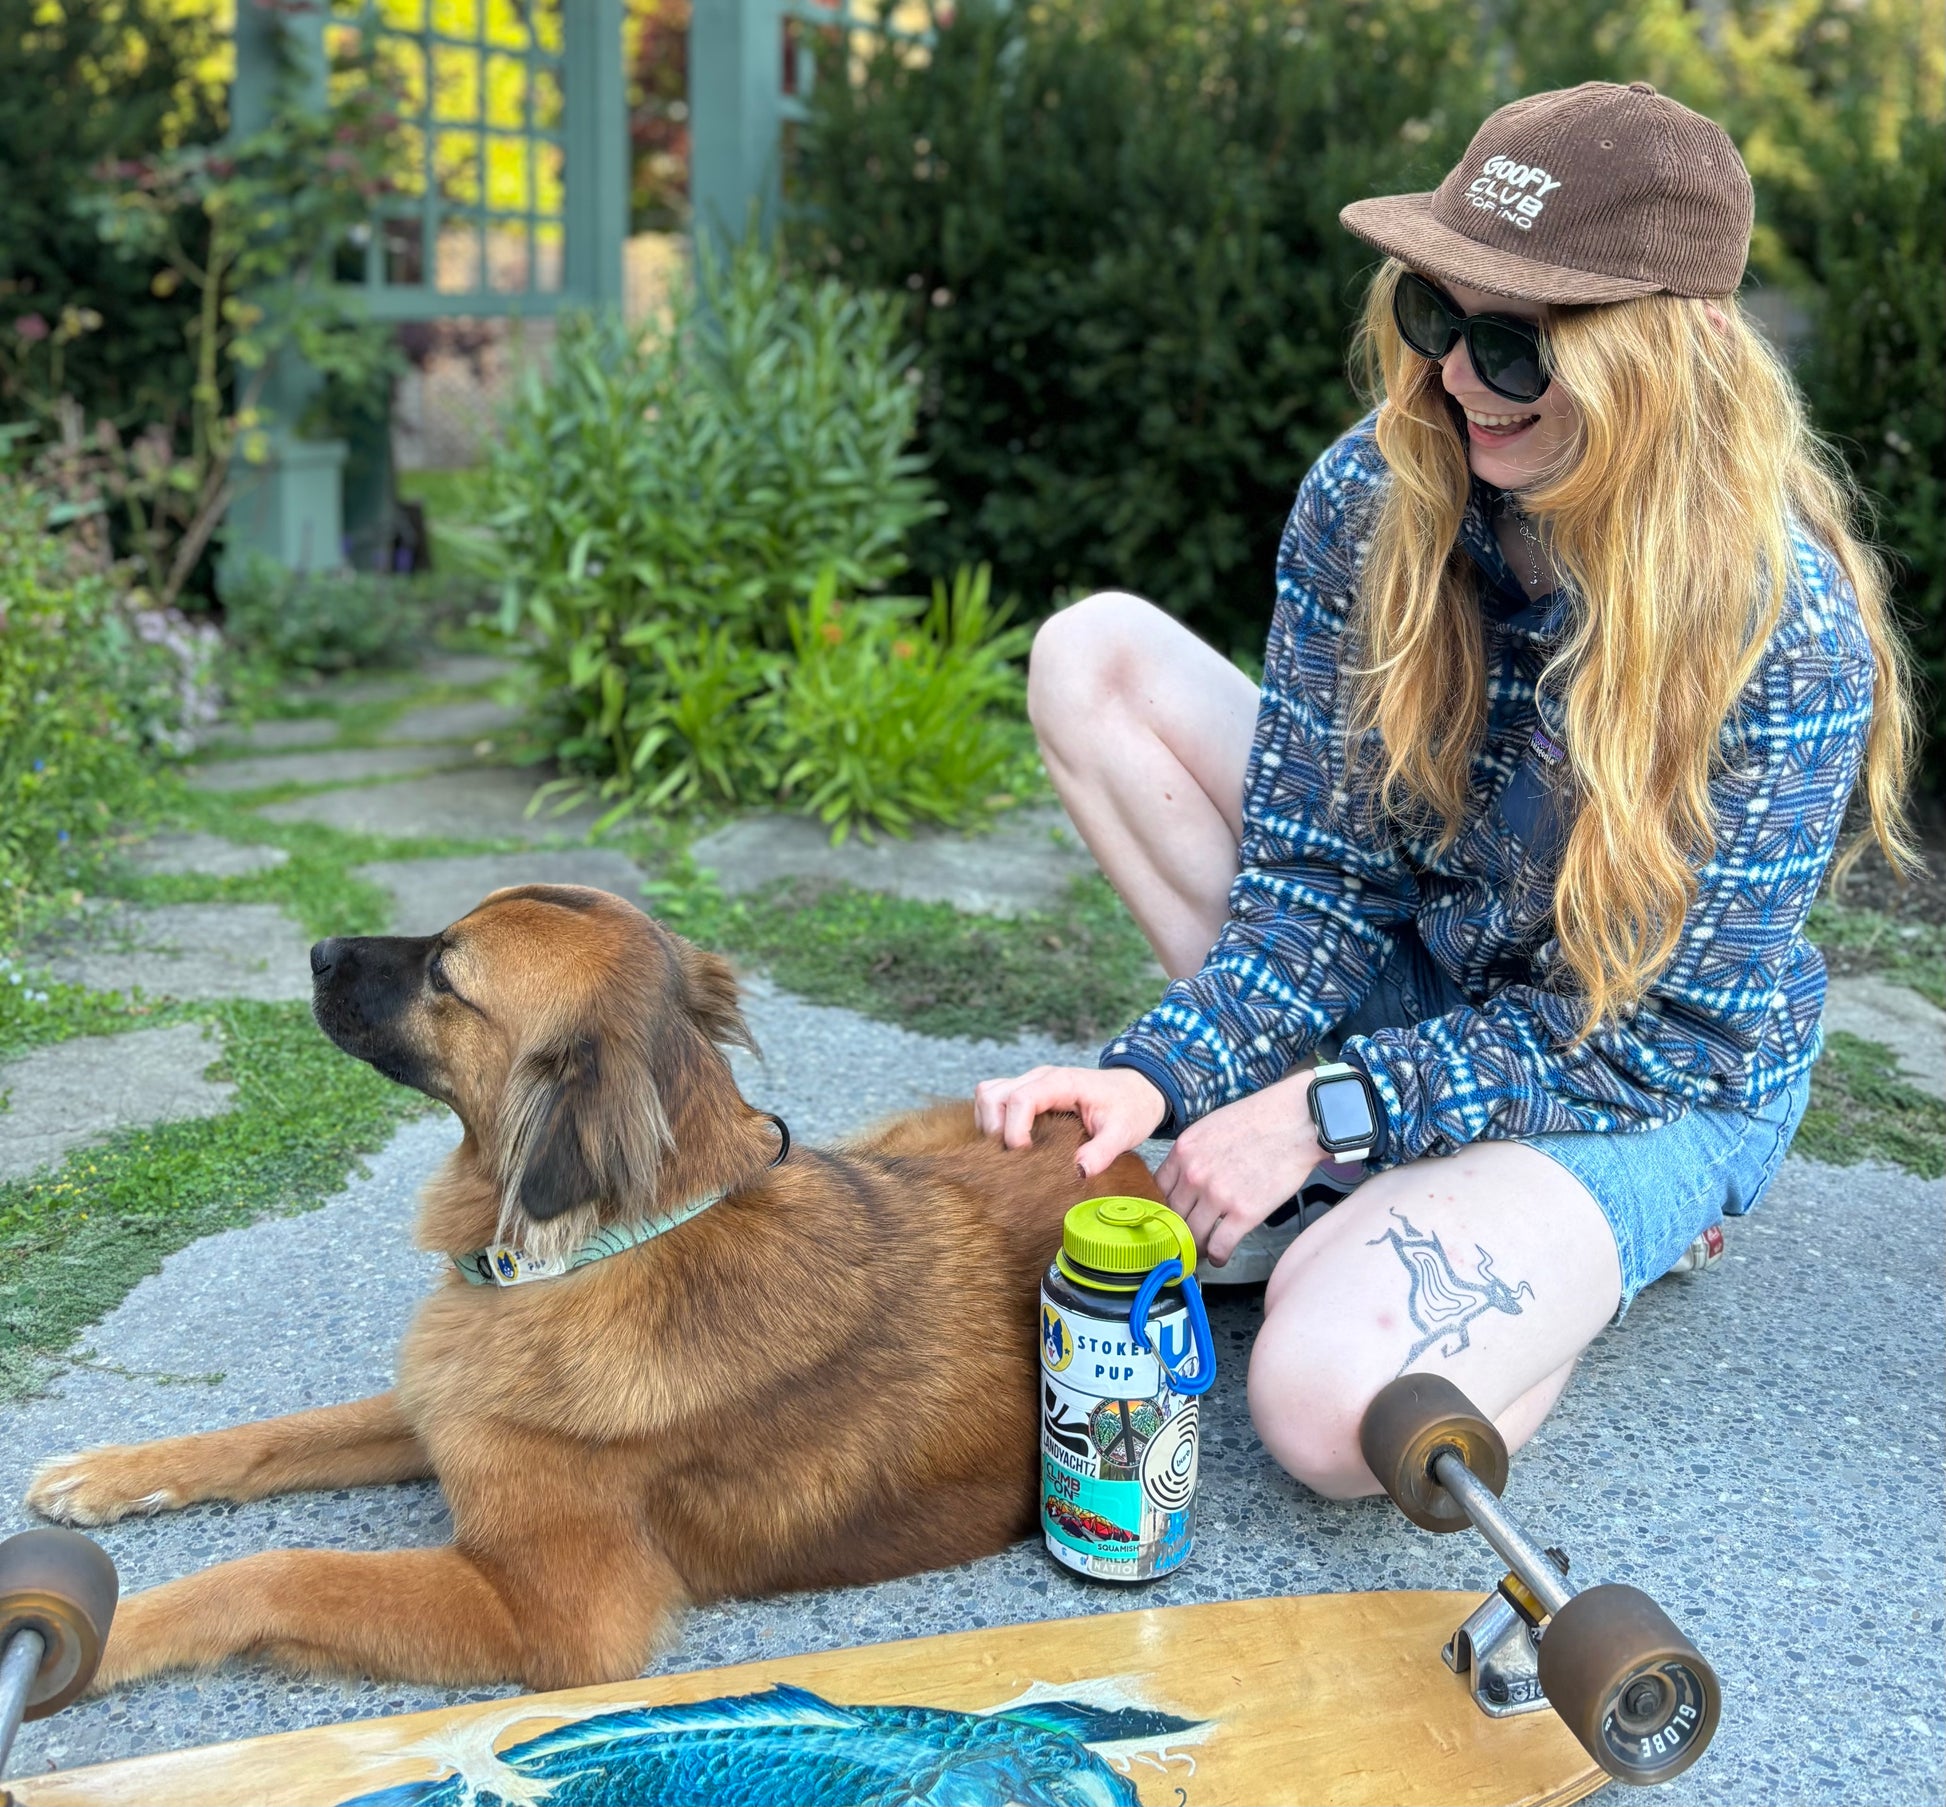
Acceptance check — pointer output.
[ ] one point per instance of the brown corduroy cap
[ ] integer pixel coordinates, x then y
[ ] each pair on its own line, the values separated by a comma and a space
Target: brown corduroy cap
1588, 194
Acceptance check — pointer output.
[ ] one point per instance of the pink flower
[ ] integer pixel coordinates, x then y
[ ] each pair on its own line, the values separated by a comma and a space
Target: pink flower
32, 328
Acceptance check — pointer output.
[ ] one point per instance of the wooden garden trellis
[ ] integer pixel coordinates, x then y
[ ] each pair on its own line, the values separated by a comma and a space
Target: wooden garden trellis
514, 200
512, 197
752, 64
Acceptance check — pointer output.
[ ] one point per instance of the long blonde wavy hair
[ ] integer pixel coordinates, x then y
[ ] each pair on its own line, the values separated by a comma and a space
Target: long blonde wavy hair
1669, 521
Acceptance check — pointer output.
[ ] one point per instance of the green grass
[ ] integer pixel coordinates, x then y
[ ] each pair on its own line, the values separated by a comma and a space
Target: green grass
1913, 953
1076, 972
36, 1010
1862, 1109
75, 1240
316, 885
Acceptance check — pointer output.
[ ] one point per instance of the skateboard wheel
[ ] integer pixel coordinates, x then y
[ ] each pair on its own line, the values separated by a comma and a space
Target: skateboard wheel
1638, 1694
1410, 1421
63, 1586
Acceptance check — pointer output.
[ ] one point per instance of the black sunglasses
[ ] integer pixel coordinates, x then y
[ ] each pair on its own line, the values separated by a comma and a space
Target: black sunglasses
1507, 354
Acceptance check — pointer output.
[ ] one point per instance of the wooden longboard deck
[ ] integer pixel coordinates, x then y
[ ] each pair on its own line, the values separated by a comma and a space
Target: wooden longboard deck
1323, 1698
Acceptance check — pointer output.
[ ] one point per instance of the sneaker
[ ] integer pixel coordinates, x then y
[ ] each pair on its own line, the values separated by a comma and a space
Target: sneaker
1702, 1254
1252, 1259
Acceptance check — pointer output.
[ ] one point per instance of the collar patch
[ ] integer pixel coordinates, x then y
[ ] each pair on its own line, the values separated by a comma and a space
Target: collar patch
502, 1264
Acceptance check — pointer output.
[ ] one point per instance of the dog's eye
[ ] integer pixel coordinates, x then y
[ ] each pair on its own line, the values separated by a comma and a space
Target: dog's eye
437, 974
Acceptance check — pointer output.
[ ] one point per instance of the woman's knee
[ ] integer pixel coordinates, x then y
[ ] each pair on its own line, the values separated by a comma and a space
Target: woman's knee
1086, 659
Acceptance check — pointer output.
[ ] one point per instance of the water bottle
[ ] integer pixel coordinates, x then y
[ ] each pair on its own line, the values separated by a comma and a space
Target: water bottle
1125, 1354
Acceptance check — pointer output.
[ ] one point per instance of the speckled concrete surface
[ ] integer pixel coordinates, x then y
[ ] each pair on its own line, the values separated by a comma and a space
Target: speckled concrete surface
1759, 1447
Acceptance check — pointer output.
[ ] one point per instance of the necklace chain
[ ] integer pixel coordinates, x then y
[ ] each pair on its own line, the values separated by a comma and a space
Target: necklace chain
1530, 538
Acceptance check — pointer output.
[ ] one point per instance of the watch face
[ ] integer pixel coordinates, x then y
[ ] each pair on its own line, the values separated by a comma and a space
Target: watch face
1344, 1113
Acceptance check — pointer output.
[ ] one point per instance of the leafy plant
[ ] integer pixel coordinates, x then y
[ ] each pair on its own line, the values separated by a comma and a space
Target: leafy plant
92, 688
660, 501
247, 231
89, 83
1876, 374
1113, 224
297, 623
886, 714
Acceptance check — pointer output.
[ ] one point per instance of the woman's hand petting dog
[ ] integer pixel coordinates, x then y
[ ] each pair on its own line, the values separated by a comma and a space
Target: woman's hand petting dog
827, 1374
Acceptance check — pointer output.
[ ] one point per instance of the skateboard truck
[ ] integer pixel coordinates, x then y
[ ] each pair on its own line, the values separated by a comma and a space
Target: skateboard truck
1495, 1648
57, 1599
1640, 1698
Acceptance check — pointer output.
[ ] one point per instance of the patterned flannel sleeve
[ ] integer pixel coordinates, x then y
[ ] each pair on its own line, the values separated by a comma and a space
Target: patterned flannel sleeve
1317, 895
1506, 1068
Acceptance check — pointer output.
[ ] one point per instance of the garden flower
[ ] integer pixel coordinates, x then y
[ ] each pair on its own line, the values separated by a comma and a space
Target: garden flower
32, 327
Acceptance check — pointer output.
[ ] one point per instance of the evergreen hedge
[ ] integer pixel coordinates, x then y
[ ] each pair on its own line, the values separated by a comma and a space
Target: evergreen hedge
1114, 223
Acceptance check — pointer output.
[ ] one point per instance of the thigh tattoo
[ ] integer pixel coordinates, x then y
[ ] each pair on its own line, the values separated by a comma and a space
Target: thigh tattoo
1443, 1302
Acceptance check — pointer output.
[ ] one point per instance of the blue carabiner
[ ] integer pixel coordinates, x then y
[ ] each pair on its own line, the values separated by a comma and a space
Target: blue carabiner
1205, 1345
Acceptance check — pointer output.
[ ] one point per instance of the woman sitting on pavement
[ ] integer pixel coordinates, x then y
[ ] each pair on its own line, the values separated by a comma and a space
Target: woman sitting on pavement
1574, 664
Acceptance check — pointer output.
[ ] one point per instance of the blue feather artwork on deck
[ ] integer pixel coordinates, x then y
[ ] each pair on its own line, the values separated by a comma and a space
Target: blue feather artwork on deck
786, 1747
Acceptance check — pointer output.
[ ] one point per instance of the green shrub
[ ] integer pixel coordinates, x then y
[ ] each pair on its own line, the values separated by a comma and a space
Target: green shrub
88, 84
685, 517
886, 713
1876, 374
294, 624
93, 691
1114, 224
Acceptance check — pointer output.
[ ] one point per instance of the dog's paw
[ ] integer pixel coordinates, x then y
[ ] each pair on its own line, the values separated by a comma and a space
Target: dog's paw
98, 1487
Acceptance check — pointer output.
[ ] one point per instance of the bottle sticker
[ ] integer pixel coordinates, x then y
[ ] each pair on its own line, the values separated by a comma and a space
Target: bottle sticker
1118, 1446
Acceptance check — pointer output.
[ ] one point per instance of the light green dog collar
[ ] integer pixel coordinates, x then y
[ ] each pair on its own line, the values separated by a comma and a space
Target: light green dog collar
501, 1264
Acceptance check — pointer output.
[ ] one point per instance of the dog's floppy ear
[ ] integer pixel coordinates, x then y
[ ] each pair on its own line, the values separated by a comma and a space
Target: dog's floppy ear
583, 1125
710, 986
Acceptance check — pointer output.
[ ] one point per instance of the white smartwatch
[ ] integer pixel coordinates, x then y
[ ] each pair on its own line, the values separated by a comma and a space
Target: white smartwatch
1344, 1110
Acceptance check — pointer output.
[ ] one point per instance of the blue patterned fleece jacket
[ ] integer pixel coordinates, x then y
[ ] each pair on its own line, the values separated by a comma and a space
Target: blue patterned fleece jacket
1325, 890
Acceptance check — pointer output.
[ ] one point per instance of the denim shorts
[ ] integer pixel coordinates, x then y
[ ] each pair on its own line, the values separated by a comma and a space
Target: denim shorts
1659, 1188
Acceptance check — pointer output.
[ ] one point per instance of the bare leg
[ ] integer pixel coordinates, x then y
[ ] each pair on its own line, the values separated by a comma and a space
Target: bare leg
356, 1445
1493, 1267
1146, 732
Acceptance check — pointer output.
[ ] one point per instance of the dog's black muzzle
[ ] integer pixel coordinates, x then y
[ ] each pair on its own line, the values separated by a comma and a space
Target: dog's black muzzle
363, 988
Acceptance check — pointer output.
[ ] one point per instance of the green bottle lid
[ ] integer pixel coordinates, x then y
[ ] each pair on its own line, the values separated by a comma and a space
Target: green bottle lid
1105, 1241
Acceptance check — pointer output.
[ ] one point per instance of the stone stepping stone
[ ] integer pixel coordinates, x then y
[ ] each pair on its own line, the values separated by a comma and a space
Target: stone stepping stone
482, 803
381, 689
453, 721
175, 854
279, 736
1018, 866
76, 1092
1897, 1017
428, 894
465, 670
195, 950
341, 765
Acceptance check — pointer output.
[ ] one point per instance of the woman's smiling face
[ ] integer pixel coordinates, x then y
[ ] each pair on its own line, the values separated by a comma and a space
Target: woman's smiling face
1512, 445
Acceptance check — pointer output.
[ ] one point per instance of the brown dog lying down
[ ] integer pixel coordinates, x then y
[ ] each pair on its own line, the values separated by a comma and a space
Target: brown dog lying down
827, 1376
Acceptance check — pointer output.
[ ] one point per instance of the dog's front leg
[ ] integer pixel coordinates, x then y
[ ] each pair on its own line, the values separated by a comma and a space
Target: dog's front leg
356, 1445
562, 1617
